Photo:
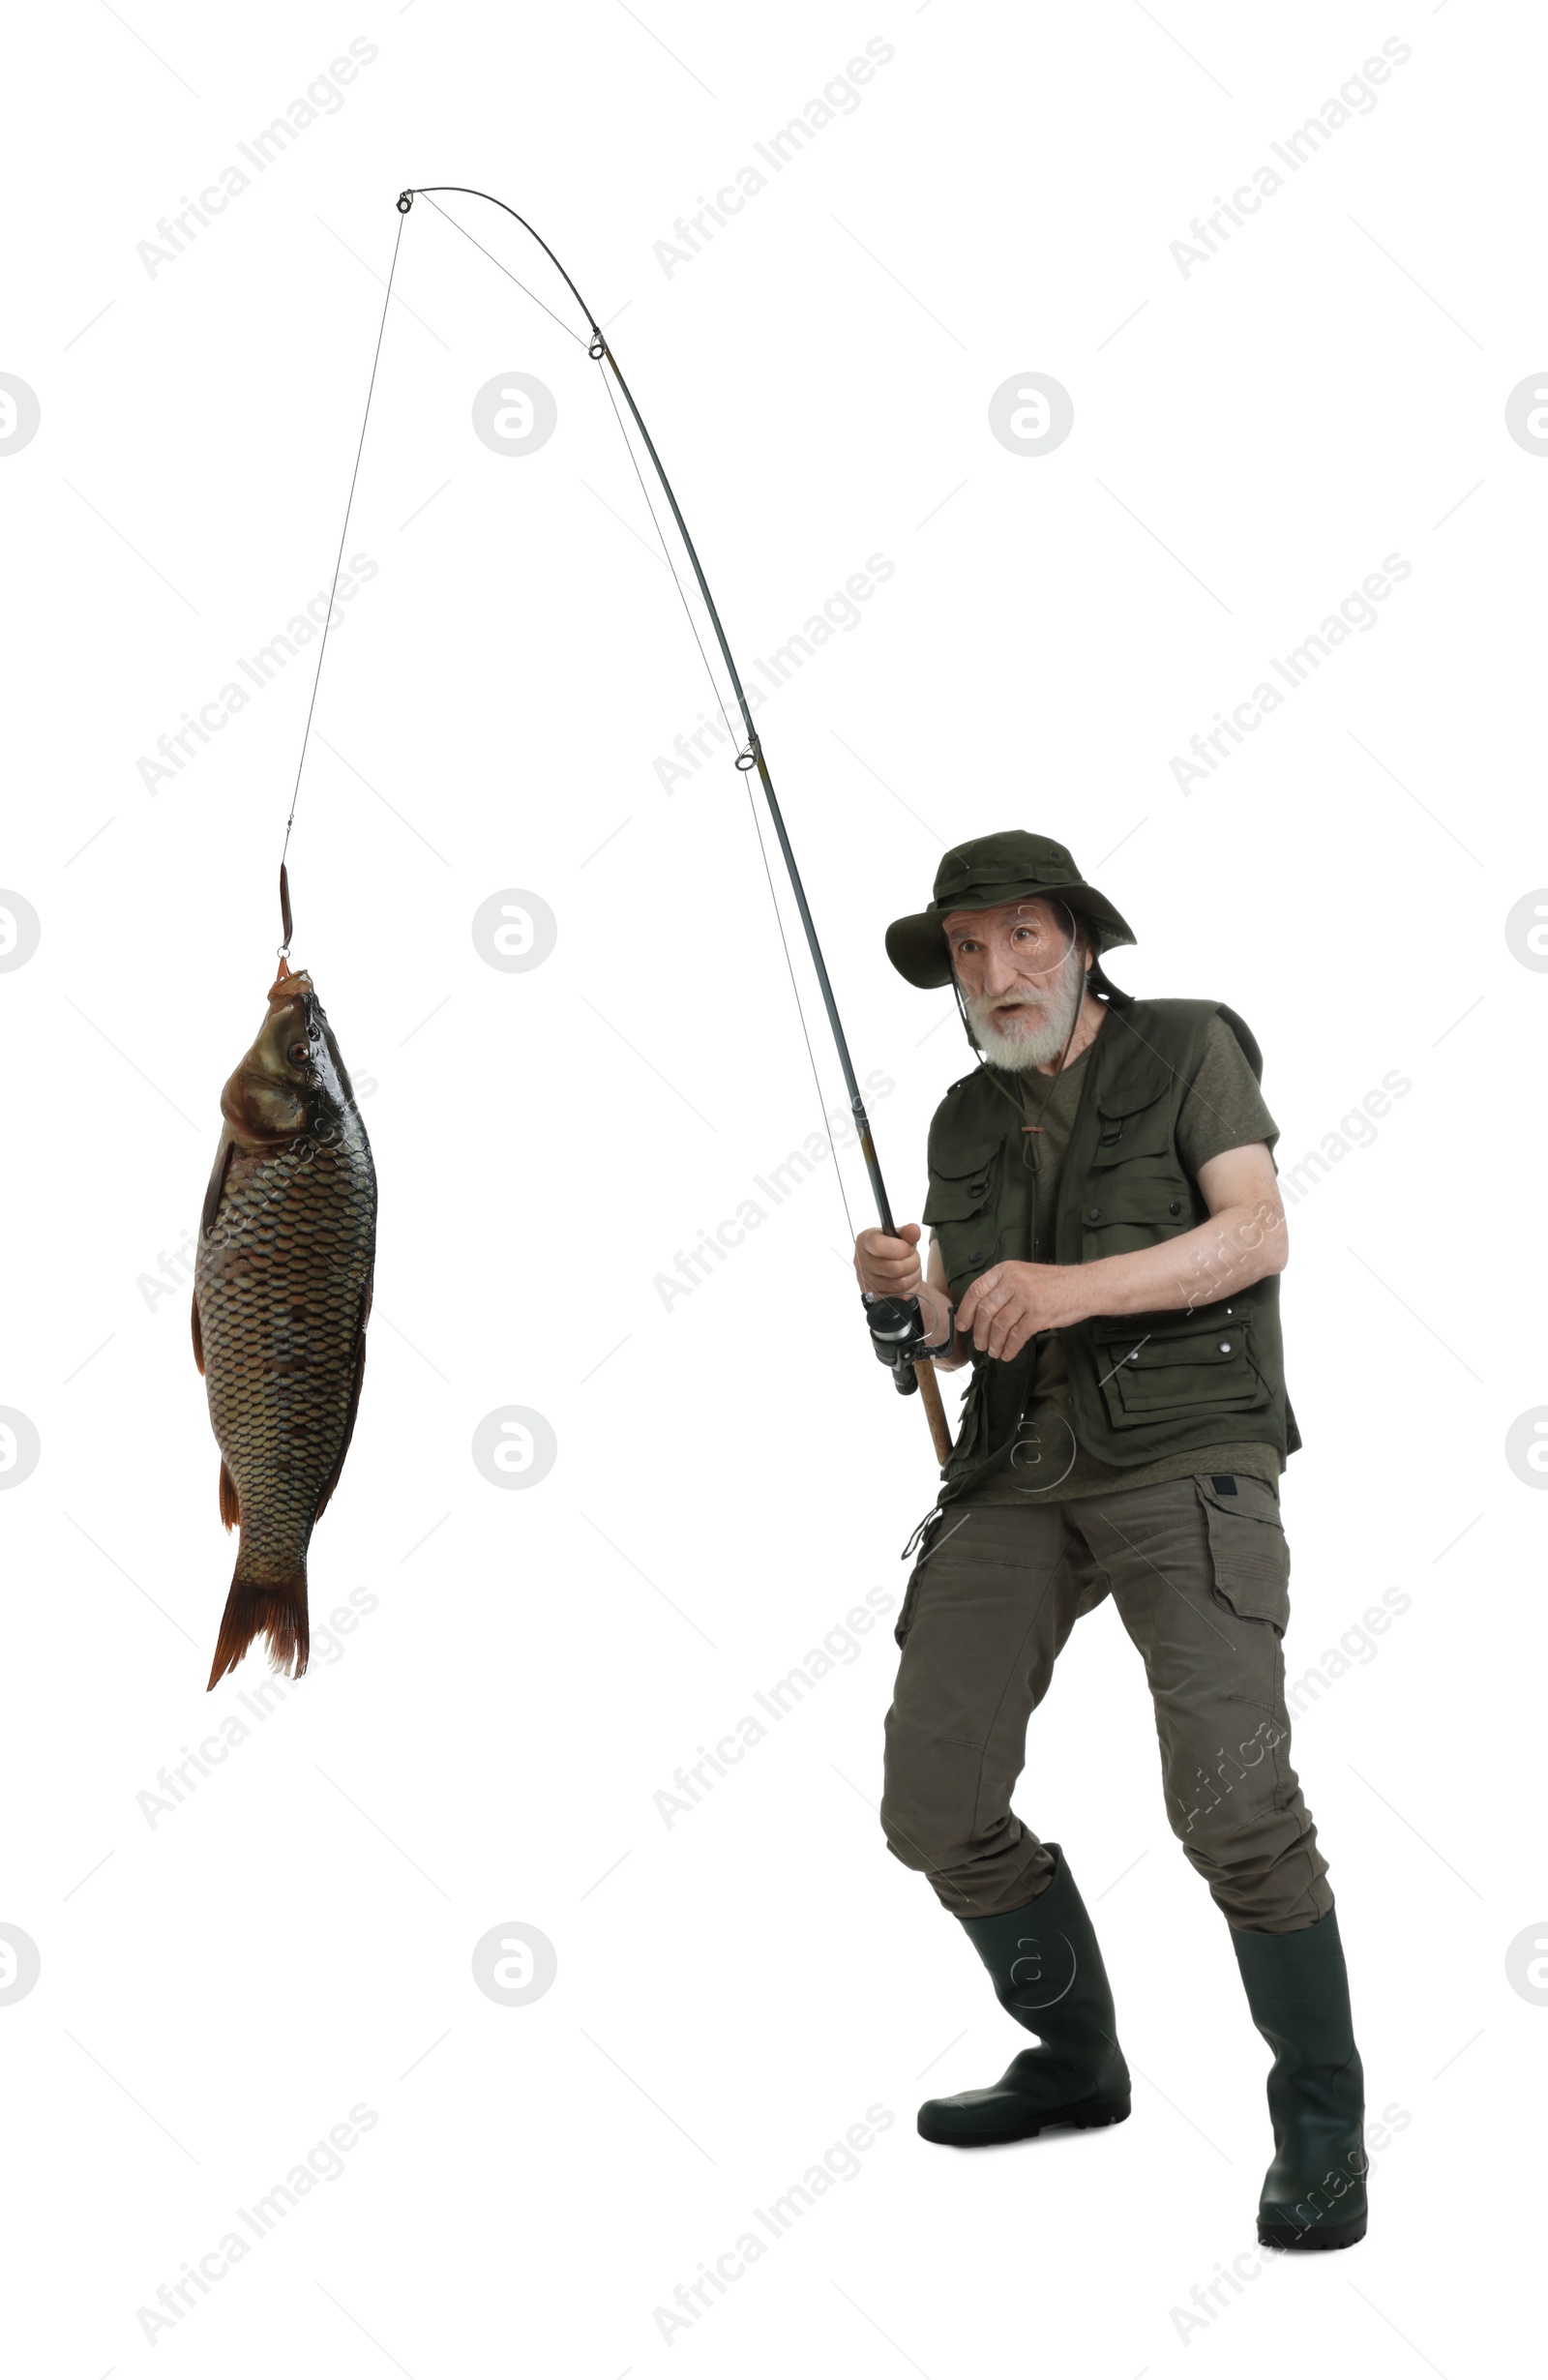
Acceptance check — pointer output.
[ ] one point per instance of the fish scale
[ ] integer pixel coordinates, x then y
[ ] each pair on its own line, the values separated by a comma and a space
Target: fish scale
279, 1303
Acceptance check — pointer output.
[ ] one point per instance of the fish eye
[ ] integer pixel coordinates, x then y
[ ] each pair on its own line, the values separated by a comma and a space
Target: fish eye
298, 1052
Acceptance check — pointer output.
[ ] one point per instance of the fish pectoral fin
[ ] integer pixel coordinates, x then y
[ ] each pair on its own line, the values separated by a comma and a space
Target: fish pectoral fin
230, 1503
198, 1335
212, 1196
332, 1480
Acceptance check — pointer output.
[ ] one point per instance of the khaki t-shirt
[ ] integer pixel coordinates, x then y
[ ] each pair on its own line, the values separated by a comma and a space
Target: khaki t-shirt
1223, 1109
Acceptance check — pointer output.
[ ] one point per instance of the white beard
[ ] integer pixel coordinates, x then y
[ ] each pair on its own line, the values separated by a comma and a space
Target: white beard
1037, 1036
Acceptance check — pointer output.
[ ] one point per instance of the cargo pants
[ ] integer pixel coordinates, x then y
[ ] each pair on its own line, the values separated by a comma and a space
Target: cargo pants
1198, 1571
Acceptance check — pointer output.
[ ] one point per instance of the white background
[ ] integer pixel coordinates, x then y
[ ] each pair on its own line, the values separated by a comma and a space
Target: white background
734, 1474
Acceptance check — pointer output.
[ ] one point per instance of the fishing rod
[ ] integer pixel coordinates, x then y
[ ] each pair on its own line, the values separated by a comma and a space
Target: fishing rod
897, 1327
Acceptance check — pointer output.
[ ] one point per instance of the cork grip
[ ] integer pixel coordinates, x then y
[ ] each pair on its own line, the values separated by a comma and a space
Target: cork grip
935, 1410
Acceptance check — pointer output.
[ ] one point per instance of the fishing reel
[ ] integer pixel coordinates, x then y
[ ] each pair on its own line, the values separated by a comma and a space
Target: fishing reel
897, 1328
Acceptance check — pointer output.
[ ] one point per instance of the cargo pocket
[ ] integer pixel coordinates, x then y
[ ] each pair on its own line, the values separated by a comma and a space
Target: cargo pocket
1249, 1553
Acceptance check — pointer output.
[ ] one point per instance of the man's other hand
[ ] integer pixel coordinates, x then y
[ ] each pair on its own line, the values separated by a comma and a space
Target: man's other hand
1007, 1305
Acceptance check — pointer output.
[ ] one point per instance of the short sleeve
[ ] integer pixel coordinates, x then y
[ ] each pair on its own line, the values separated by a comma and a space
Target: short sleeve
1223, 1107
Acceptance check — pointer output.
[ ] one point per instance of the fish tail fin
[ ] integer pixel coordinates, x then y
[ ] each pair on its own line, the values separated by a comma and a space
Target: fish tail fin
268, 1608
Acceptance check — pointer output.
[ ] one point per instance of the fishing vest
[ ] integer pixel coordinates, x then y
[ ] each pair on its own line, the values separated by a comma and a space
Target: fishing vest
1142, 1385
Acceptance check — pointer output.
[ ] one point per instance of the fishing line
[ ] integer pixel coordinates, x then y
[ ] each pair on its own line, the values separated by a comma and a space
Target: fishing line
580, 342
664, 554
757, 833
720, 703
306, 734
505, 269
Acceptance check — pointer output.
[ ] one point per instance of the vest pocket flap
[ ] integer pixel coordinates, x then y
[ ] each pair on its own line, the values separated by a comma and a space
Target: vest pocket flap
966, 1189
1248, 1549
1211, 1346
1141, 1132
1159, 1198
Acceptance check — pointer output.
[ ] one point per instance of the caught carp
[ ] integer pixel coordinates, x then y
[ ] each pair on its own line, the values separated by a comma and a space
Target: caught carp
281, 1292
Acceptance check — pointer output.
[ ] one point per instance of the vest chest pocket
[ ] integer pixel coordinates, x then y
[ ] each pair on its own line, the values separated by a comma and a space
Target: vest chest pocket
1133, 1122
1173, 1367
960, 1208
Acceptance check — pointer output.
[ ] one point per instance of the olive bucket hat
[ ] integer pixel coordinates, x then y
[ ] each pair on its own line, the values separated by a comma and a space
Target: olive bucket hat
981, 875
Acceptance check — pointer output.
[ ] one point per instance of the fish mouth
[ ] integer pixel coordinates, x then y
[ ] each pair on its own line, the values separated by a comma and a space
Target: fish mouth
294, 997
288, 985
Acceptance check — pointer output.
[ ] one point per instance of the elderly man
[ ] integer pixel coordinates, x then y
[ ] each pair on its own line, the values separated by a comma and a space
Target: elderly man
1105, 1237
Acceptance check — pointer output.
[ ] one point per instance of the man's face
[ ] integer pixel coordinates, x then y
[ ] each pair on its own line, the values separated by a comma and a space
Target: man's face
1022, 974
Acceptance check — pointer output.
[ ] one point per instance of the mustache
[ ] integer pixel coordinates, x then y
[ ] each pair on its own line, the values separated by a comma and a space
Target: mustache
987, 1003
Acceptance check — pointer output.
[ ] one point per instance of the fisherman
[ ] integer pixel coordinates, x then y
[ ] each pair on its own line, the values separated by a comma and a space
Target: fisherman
1106, 1241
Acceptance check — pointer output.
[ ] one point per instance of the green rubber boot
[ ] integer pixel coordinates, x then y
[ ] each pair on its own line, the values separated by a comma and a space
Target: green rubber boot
1298, 1989
1048, 1973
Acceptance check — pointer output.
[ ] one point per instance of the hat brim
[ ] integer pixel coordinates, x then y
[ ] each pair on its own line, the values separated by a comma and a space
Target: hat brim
917, 945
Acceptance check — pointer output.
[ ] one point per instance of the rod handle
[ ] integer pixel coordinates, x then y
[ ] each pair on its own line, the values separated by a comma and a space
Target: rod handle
935, 1410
